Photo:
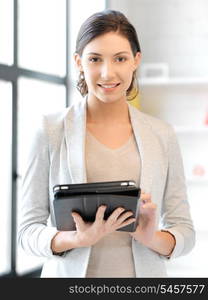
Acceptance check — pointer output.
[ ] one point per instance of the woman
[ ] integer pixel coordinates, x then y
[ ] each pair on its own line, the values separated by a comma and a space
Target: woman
103, 138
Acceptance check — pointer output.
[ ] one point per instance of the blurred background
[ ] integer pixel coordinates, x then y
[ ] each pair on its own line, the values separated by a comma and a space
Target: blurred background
37, 75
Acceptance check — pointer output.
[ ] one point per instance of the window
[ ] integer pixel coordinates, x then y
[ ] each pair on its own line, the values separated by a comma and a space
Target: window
5, 173
35, 62
42, 35
6, 31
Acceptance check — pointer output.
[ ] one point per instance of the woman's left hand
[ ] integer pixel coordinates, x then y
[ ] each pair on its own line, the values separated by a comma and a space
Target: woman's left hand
147, 220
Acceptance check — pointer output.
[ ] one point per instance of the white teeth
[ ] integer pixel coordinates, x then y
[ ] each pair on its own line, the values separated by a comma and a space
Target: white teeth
109, 86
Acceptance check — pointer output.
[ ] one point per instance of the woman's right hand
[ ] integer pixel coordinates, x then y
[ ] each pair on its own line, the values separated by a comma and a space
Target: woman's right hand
88, 234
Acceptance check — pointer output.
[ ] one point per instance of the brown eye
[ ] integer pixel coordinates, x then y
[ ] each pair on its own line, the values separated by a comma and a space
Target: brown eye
94, 59
120, 59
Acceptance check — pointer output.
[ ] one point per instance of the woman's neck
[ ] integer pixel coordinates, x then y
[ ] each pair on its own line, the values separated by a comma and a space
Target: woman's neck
113, 113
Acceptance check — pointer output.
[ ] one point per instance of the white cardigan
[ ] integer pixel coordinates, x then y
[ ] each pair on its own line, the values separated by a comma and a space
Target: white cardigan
57, 156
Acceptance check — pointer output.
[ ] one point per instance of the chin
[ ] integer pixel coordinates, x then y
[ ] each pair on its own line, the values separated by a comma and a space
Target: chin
110, 99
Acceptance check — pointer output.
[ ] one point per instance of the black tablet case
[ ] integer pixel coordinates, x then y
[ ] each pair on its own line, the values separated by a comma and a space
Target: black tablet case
85, 198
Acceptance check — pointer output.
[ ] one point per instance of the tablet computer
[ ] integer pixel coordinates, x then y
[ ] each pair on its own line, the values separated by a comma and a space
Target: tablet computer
85, 198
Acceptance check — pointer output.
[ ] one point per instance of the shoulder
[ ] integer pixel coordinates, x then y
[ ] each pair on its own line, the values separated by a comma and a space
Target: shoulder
54, 122
57, 118
157, 126
50, 127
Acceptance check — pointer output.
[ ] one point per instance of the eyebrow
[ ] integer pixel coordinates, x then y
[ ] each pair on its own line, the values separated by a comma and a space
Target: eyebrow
98, 54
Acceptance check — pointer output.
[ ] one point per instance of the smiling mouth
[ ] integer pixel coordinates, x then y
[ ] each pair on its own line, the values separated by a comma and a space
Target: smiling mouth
109, 86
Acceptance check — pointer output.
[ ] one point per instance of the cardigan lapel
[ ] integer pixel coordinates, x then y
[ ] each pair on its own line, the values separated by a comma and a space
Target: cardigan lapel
145, 144
75, 131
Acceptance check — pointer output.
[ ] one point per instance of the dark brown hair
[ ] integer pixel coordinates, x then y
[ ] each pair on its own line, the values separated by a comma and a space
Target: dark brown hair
98, 24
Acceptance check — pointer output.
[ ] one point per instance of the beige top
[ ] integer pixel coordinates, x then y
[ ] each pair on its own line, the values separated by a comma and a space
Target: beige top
112, 255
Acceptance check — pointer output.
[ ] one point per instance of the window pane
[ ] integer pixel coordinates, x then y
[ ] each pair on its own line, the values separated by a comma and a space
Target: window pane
5, 174
42, 30
6, 31
35, 98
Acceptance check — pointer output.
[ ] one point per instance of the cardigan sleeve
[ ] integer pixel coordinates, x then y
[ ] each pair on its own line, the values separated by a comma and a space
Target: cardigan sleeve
34, 235
176, 217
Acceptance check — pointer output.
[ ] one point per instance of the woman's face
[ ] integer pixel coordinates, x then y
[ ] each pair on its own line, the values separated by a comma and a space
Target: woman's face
108, 64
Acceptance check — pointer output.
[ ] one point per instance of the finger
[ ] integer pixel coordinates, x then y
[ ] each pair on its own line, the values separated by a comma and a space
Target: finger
99, 217
149, 206
115, 214
127, 222
148, 209
80, 224
145, 198
124, 216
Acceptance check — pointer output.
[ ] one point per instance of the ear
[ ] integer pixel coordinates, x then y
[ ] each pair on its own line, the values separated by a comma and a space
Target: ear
137, 59
78, 62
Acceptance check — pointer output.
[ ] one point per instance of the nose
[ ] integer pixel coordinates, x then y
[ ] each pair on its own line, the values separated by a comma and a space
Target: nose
107, 71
